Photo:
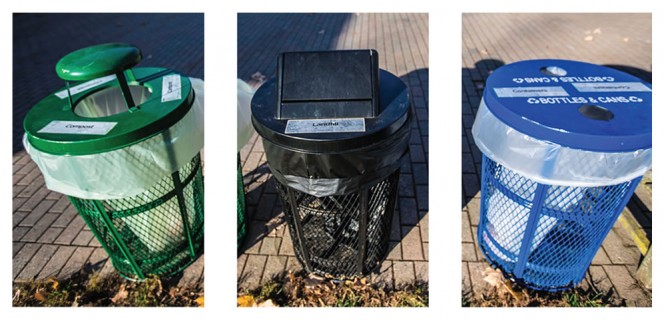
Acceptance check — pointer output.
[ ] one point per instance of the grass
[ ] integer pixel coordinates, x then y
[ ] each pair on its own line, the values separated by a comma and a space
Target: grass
91, 289
300, 290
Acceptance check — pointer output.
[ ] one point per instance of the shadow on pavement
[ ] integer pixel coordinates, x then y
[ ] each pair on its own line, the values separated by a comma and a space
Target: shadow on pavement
473, 82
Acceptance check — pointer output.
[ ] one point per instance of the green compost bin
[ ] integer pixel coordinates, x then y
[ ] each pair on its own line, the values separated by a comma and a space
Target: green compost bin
124, 144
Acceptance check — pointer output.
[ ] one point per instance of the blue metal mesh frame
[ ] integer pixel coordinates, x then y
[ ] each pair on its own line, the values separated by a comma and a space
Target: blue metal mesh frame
544, 236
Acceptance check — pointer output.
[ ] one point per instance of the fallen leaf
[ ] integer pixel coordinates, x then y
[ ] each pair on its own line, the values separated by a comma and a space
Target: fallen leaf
54, 283
518, 295
122, 294
493, 277
246, 301
312, 281
17, 295
267, 304
39, 296
588, 38
200, 301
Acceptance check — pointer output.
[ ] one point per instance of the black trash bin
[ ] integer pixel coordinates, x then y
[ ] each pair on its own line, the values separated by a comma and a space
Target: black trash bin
335, 130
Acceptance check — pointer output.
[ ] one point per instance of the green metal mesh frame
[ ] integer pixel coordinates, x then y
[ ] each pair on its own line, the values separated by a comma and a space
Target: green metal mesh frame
241, 207
158, 232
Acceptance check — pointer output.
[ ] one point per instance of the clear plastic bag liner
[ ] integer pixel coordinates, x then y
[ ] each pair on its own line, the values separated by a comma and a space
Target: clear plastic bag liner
553, 164
327, 174
244, 127
128, 171
109, 101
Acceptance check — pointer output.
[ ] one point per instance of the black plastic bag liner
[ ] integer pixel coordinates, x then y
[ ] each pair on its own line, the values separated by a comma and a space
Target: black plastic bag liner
330, 141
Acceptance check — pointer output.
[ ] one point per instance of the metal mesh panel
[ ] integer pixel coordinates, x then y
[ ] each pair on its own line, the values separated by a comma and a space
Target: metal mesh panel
544, 236
341, 235
241, 220
158, 232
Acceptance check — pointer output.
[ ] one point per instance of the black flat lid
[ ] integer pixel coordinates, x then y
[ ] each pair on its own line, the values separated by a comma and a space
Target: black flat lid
330, 101
327, 84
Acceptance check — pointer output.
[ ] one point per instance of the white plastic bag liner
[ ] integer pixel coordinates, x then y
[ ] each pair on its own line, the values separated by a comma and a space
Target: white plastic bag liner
128, 171
553, 164
244, 128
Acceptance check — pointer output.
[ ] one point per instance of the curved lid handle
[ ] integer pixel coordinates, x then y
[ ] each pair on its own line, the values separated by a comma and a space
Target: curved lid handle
97, 61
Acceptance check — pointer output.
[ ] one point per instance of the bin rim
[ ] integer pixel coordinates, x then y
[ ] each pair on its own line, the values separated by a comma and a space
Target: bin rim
562, 123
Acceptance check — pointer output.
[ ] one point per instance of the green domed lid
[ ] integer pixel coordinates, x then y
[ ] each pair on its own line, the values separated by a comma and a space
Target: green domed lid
113, 107
52, 126
97, 61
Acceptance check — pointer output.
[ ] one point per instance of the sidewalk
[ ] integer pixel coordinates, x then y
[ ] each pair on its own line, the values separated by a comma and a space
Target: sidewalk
49, 237
622, 41
402, 44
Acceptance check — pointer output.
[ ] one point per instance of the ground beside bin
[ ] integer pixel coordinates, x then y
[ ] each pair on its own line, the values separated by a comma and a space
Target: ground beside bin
584, 37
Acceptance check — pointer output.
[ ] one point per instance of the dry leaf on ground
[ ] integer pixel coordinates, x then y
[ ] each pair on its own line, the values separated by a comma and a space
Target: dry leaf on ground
200, 301
267, 304
493, 277
121, 295
246, 301
39, 296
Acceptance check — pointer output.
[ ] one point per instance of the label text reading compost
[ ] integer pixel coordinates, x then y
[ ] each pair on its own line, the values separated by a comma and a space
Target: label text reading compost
78, 127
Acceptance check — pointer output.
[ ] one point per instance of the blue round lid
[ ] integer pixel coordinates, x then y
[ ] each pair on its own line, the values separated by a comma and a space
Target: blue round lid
573, 104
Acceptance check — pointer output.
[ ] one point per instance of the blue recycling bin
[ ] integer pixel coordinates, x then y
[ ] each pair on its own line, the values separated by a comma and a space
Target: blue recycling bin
564, 146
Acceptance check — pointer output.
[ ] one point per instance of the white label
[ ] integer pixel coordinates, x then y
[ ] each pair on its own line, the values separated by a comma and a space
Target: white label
612, 87
78, 127
171, 88
85, 86
516, 92
325, 125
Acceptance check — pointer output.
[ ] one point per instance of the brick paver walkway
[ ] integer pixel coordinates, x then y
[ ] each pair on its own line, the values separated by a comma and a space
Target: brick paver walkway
619, 40
49, 238
401, 41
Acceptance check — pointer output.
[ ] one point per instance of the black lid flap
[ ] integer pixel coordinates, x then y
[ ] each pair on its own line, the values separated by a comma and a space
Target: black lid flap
327, 84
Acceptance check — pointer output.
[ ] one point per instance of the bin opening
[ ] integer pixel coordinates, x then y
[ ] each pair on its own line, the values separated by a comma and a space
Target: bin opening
595, 112
109, 101
327, 85
553, 71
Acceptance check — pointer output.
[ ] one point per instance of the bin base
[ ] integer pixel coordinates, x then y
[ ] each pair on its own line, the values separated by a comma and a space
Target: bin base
342, 235
544, 237
158, 232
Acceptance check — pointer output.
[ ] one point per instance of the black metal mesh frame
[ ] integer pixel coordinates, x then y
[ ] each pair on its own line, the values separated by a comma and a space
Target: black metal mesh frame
341, 235
241, 206
158, 232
